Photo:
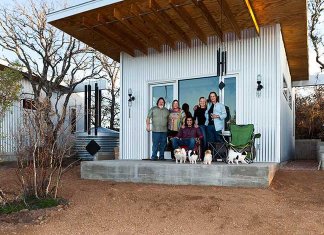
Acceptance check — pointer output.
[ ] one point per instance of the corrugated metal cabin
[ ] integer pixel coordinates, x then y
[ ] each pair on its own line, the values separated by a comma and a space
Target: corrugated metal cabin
11, 123
169, 48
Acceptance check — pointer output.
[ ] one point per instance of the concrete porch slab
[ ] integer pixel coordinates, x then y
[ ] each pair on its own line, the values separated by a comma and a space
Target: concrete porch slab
168, 172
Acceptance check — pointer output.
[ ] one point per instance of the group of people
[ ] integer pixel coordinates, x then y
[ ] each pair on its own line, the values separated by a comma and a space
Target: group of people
178, 123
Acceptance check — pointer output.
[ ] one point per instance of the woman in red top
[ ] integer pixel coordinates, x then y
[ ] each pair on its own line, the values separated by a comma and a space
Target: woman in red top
187, 136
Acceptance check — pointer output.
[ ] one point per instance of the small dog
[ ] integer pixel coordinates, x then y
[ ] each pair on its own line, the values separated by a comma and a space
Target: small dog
242, 158
180, 155
208, 157
231, 157
236, 157
192, 157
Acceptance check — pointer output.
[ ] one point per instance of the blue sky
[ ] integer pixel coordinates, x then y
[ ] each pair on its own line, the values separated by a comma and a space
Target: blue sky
313, 67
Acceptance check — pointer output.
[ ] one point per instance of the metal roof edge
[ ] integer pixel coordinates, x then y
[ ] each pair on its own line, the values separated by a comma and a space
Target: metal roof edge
76, 9
314, 80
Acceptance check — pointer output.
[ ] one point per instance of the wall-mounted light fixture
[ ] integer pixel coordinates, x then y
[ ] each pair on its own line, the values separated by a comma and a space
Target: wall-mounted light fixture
259, 85
131, 98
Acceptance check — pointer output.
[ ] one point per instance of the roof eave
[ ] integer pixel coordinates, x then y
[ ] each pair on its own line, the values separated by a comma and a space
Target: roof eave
77, 9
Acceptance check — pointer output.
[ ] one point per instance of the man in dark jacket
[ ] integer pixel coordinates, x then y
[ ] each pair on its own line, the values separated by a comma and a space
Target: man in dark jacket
187, 136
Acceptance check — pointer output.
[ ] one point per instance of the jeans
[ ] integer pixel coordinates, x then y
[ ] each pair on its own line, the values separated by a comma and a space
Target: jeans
190, 142
203, 132
213, 135
171, 134
159, 143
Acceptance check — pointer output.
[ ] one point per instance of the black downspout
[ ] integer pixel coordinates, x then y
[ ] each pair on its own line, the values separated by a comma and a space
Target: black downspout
89, 109
85, 108
96, 108
100, 97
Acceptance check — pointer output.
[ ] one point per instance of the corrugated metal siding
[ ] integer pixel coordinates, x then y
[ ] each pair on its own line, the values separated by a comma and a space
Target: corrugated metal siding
9, 126
11, 122
287, 138
247, 58
76, 102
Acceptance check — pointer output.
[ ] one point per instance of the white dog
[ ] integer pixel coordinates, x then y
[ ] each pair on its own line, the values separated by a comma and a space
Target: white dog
236, 157
180, 155
242, 158
208, 157
192, 157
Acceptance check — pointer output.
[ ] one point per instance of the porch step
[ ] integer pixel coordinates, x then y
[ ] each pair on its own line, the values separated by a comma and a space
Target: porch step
168, 172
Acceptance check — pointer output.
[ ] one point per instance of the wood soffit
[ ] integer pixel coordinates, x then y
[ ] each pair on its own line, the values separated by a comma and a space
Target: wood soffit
133, 25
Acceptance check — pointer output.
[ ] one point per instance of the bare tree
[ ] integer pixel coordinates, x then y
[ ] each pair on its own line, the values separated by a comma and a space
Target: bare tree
316, 9
309, 114
309, 109
110, 104
51, 58
40, 155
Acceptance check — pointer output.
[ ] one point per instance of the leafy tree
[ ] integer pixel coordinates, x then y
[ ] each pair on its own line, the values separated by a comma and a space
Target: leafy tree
9, 89
9, 92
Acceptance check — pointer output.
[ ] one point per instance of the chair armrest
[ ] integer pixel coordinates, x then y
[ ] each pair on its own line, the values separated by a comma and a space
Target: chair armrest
224, 138
256, 136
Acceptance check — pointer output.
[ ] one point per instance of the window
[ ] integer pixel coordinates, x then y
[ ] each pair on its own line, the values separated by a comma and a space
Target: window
286, 92
289, 99
29, 104
230, 100
285, 88
191, 90
73, 120
165, 91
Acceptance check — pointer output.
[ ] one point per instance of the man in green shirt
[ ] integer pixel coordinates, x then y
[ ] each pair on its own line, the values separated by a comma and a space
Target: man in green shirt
159, 116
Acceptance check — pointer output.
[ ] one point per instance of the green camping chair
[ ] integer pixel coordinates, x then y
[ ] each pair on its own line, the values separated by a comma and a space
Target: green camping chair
243, 139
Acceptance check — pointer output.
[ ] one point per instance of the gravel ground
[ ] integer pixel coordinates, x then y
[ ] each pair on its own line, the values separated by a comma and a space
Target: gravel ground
293, 204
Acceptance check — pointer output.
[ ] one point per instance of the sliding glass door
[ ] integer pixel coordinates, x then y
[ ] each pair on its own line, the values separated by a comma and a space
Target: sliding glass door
190, 90
229, 95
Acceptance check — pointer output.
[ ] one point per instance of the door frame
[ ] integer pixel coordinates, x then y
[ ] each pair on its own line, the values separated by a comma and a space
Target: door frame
151, 85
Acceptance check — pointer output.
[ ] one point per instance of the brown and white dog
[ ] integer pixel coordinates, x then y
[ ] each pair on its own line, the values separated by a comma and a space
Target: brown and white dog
180, 155
208, 157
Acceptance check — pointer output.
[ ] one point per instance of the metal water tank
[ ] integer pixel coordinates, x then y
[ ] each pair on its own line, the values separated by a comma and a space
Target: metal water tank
107, 140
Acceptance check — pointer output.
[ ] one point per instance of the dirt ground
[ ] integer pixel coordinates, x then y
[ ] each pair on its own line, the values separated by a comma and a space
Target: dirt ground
293, 204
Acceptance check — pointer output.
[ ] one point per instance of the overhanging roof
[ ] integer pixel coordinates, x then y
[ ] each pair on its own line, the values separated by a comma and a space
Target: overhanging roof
112, 26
